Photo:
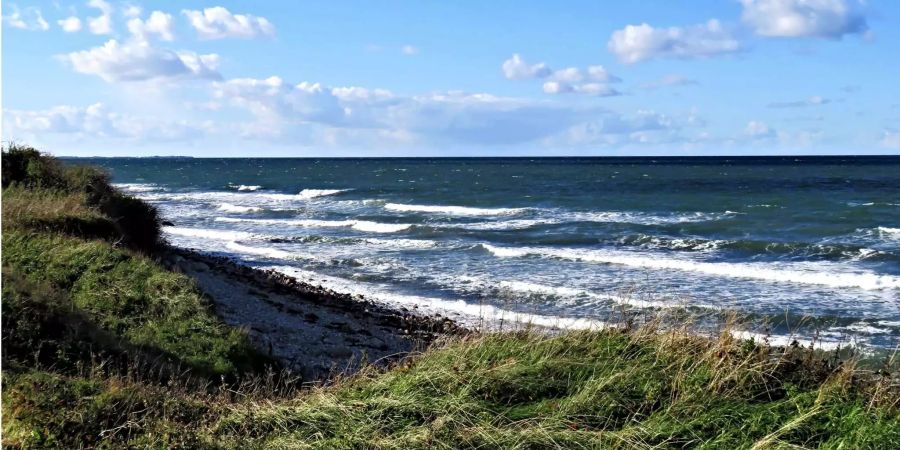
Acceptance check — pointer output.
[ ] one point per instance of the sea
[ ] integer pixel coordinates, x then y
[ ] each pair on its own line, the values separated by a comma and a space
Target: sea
801, 248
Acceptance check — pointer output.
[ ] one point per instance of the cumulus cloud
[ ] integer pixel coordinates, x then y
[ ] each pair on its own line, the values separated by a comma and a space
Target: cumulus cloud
890, 139
594, 89
670, 80
96, 121
515, 68
26, 19
159, 23
758, 130
644, 127
138, 61
830, 19
70, 24
593, 81
600, 74
812, 101
449, 118
101, 24
131, 11
219, 23
636, 43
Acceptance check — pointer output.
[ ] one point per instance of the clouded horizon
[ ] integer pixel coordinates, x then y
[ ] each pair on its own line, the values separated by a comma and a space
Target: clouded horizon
101, 78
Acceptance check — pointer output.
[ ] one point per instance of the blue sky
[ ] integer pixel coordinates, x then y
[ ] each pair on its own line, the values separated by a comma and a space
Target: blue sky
430, 78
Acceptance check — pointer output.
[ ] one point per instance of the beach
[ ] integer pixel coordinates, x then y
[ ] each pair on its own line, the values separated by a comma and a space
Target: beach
313, 331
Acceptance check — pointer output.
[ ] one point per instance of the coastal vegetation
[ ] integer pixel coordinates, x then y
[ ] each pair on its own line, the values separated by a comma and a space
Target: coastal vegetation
103, 347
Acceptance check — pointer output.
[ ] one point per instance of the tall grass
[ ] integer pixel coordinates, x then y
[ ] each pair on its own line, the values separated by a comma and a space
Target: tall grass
29, 173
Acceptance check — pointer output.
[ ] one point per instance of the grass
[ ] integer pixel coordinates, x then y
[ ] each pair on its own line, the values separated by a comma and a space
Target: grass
104, 348
608, 389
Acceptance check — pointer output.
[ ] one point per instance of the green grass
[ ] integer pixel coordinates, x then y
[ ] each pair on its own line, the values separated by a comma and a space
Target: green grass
608, 389
123, 294
105, 348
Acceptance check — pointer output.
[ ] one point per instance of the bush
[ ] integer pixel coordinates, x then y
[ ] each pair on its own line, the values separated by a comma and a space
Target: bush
133, 222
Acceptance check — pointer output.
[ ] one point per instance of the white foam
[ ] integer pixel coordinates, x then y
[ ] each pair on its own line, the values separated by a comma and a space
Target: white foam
515, 224
475, 315
402, 243
783, 340
572, 293
640, 218
259, 251
205, 233
862, 280
313, 193
361, 225
244, 187
453, 210
137, 187
893, 232
228, 207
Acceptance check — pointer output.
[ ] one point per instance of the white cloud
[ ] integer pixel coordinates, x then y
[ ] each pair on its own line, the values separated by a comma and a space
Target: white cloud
890, 139
610, 129
671, 80
409, 50
219, 23
131, 11
594, 89
600, 74
281, 108
637, 43
138, 61
758, 130
812, 101
27, 19
70, 24
96, 121
556, 87
562, 81
803, 18
567, 75
159, 23
101, 24
515, 68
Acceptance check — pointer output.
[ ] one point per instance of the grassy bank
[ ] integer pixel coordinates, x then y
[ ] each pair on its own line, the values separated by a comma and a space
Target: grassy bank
103, 347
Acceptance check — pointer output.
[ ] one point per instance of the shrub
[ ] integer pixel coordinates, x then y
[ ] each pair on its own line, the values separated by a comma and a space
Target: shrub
133, 222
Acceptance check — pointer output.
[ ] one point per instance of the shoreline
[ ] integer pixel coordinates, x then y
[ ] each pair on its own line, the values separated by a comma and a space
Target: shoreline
311, 329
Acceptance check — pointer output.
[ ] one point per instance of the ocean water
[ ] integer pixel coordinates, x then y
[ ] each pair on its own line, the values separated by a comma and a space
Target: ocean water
808, 246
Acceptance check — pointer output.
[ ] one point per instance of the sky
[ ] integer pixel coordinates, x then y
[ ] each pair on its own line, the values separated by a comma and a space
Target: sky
439, 78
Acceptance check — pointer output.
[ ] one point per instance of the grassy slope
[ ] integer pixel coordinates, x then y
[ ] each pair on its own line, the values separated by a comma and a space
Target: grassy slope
99, 341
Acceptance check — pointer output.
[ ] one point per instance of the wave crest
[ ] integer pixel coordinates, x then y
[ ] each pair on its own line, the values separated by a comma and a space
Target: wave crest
313, 193
868, 281
454, 210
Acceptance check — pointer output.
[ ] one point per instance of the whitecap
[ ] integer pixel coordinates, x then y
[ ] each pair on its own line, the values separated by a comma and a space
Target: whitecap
137, 187
313, 193
205, 233
784, 340
244, 187
258, 251
228, 207
474, 315
453, 210
862, 280
361, 225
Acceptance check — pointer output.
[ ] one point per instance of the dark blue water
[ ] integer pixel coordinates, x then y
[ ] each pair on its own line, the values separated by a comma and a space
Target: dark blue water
560, 241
